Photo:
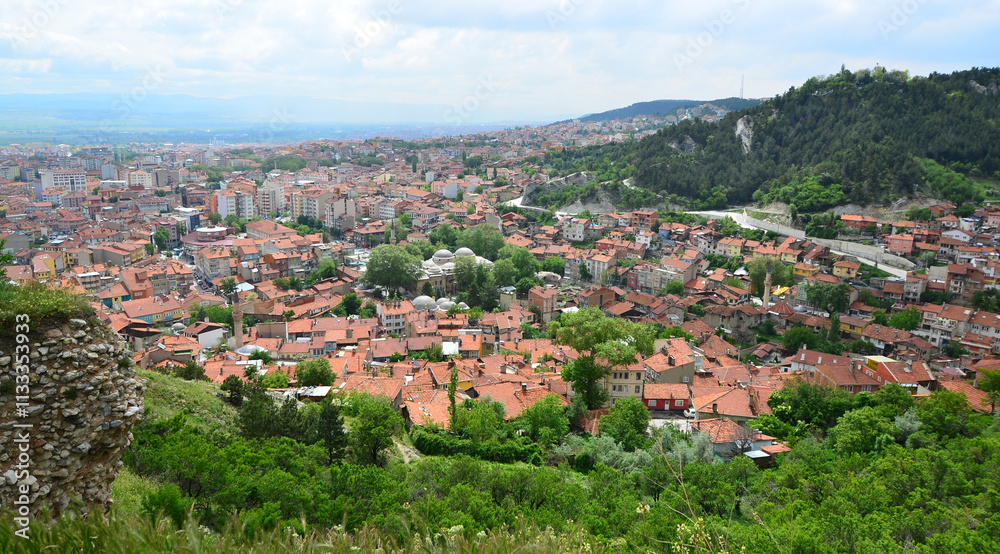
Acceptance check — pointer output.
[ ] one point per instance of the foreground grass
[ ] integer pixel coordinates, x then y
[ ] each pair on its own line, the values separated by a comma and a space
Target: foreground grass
128, 489
135, 534
167, 396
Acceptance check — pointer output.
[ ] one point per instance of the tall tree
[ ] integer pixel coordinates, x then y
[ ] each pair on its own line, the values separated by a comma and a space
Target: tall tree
392, 267
603, 344
228, 286
330, 430
907, 320
834, 334
626, 422
257, 414
989, 382
314, 373
829, 298
484, 239
545, 421
505, 273
465, 272
781, 274
452, 389
161, 237
372, 431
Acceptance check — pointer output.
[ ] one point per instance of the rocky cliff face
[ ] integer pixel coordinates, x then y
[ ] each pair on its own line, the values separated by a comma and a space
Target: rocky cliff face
744, 131
83, 399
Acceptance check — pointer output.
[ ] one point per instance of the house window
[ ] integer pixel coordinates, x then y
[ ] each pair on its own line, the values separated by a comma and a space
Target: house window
652, 403
685, 379
678, 403
637, 389
638, 376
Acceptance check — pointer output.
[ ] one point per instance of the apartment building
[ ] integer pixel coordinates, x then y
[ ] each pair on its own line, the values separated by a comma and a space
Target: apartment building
73, 180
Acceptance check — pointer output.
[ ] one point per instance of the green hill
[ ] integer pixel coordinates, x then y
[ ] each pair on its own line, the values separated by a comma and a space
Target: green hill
663, 107
869, 136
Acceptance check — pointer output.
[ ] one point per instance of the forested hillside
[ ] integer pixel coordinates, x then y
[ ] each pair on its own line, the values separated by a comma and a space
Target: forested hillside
870, 136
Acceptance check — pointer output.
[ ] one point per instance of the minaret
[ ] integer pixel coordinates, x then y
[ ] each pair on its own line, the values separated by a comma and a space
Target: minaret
767, 288
237, 322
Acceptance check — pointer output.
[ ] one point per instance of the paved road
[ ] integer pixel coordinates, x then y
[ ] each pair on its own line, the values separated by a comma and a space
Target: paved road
741, 219
517, 202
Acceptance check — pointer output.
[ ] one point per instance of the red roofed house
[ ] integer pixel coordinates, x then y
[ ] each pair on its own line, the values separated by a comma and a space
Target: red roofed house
544, 300
730, 438
666, 396
901, 245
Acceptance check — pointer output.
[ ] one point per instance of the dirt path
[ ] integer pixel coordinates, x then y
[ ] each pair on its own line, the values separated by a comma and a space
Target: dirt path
408, 452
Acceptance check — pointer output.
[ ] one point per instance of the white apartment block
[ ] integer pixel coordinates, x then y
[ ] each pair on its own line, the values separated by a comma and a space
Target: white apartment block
337, 208
234, 202
74, 180
310, 203
140, 179
271, 198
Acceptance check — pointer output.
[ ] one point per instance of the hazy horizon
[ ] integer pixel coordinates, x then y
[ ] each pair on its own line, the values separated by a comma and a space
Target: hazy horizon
454, 63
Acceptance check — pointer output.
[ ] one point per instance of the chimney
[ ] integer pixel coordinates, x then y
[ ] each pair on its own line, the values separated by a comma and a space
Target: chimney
350, 333
715, 408
819, 360
524, 387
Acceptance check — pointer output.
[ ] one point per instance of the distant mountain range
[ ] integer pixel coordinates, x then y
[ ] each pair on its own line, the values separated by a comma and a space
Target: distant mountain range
663, 107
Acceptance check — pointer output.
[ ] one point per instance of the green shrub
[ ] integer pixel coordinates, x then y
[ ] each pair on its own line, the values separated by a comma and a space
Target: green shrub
436, 443
40, 303
167, 501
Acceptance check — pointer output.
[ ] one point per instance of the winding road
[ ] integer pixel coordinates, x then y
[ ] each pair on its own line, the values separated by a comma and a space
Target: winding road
741, 219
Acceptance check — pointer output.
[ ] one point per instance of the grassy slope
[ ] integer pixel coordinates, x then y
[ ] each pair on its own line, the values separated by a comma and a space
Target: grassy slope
167, 396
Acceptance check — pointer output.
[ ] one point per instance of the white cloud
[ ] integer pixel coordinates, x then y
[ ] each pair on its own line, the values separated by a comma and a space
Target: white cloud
8, 65
593, 55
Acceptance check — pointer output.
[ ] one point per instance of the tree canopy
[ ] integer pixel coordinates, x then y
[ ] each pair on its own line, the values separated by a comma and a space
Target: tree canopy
392, 267
603, 343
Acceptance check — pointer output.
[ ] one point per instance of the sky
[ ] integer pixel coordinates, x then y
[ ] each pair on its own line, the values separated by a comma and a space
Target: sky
469, 61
